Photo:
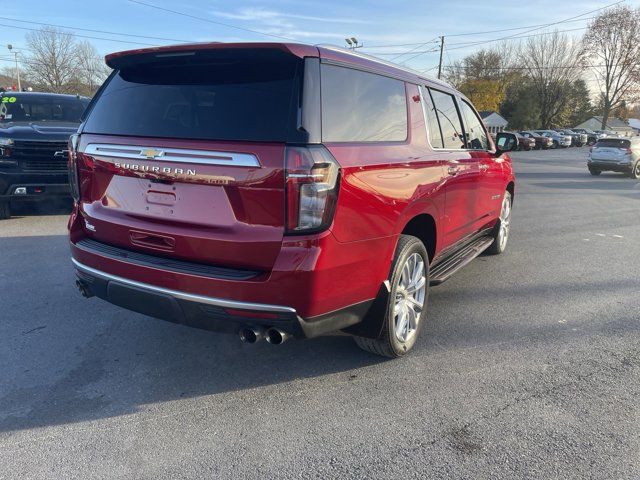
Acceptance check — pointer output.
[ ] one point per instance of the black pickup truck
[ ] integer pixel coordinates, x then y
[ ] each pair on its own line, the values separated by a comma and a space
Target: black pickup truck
34, 131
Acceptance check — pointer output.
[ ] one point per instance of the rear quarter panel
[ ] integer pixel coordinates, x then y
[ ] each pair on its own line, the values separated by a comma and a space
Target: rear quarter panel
384, 185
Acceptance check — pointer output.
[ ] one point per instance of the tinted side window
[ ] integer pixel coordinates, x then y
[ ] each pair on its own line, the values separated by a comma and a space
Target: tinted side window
474, 129
362, 107
449, 119
433, 127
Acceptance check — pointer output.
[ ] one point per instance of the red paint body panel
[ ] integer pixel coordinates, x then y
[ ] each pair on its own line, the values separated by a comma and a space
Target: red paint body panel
234, 216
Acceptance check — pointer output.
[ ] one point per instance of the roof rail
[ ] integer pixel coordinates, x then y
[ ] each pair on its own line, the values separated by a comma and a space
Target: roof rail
373, 58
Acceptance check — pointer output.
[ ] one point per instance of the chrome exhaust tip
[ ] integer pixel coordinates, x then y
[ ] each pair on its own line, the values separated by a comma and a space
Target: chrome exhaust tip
251, 335
275, 336
84, 291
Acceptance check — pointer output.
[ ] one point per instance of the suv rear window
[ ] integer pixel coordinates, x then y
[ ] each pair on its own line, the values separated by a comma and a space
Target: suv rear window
614, 143
235, 94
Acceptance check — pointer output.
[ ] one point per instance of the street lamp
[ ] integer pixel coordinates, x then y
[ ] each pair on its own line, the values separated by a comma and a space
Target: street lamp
353, 43
10, 47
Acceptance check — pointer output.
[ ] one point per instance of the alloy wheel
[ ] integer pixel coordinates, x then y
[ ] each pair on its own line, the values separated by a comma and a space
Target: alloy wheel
409, 298
505, 222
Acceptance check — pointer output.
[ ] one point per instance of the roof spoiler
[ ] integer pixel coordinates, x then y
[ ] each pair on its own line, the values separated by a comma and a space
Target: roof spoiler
142, 55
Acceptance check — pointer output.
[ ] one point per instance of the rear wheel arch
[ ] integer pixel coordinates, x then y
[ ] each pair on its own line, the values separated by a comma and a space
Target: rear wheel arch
511, 188
423, 227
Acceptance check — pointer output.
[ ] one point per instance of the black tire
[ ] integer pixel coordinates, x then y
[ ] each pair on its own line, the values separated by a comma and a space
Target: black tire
555, 144
594, 172
5, 210
498, 246
387, 344
635, 171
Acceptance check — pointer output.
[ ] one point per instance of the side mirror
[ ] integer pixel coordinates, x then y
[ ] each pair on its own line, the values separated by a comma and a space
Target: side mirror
505, 142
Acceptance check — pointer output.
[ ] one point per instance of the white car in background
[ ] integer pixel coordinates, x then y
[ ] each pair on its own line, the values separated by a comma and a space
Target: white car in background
558, 139
615, 155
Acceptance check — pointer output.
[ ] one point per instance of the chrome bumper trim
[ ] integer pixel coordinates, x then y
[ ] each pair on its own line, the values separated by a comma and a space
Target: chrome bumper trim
190, 297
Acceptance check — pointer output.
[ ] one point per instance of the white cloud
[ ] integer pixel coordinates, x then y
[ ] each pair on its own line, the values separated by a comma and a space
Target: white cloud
274, 17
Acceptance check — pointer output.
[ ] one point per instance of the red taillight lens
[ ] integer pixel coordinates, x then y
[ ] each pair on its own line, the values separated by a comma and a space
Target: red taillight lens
311, 175
74, 181
629, 151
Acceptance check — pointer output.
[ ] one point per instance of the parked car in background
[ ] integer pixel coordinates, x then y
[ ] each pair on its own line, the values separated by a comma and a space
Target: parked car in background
615, 155
558, 140
205, 196
524, 143
577, 139
541, 142
607, 134
592, 137
34, 133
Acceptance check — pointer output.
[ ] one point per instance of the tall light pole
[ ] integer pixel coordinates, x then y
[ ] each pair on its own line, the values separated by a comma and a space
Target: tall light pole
10, 47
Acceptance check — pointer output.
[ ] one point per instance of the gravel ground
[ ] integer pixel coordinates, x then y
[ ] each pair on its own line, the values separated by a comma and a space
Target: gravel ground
528, 367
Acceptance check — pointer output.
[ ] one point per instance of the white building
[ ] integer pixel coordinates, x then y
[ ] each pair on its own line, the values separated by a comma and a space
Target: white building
614, 124
494, 121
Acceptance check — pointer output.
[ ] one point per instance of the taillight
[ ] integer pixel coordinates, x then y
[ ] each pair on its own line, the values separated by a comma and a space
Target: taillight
629, 151
311, 175
73, 167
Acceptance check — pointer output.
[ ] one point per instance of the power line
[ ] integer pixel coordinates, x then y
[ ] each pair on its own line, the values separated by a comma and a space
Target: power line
472, 44
519, 35
81, 36
195, 17
95, 31
478, 33
413, 49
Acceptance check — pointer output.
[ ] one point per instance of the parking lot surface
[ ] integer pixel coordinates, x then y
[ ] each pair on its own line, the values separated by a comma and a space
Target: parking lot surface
528, 367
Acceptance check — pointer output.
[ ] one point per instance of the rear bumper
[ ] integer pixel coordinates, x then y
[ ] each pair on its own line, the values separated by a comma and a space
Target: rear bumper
37, 185
610, 166
211, 313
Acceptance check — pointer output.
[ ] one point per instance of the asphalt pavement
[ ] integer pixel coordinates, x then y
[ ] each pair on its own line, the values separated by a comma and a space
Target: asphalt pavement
528, 366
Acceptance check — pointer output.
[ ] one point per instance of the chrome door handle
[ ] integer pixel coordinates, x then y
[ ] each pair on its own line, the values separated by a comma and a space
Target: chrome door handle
484, 167
452, 171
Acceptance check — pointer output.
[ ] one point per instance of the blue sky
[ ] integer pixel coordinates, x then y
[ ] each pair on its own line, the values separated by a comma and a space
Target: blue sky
375, 23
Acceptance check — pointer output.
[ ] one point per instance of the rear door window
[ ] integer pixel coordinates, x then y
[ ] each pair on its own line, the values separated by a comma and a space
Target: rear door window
474, 129
362, 107
223, 95
450, 123
433, 127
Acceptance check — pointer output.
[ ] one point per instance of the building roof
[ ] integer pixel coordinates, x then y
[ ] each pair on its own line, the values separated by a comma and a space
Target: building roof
492, 118
634, 123
613, 122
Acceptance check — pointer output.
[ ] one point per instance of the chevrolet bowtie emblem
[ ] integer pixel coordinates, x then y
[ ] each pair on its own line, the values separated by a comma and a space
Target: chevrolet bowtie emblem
151, 153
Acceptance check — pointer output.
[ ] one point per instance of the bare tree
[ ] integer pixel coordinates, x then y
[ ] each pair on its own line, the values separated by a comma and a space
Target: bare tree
552, 63
91, 70
611, 46
52, 63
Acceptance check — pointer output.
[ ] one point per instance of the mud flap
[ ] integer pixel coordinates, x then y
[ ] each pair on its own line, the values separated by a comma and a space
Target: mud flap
373, 321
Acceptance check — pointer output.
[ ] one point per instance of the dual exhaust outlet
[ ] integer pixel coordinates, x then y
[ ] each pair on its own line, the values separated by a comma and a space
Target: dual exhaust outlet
274, 336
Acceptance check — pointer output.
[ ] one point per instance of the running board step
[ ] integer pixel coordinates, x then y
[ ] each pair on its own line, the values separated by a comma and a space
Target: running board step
443, 270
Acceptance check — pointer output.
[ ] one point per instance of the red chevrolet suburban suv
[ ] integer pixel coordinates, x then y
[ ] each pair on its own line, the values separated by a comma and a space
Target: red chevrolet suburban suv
281, 190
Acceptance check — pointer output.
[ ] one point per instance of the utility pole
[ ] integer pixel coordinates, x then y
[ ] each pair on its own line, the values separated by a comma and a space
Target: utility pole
440, 62
10, 47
